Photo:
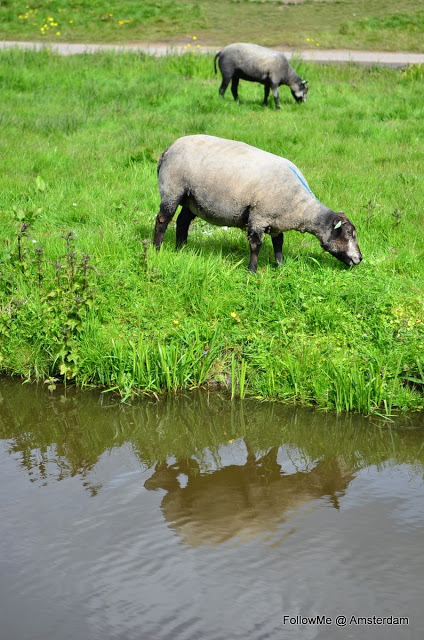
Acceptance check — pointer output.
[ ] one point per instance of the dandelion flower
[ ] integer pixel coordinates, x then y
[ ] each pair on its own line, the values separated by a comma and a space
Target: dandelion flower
194, 38
175, 322
233, 314
58, 33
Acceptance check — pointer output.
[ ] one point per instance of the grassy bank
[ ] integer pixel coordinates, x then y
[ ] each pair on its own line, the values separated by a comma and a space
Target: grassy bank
370, 24
84, 295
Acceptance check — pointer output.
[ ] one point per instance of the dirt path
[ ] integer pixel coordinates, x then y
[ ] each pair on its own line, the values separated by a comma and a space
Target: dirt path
387, 58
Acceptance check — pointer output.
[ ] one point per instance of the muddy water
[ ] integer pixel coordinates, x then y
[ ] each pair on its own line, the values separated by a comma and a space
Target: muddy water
200, 518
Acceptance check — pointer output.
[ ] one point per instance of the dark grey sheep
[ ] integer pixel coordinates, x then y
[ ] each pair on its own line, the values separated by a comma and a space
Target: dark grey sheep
258, 64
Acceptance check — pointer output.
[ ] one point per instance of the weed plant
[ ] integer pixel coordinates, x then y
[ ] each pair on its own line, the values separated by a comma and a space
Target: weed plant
84, 295
369, 24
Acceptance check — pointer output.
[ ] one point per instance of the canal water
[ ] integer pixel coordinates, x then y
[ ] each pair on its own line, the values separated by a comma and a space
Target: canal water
200, 518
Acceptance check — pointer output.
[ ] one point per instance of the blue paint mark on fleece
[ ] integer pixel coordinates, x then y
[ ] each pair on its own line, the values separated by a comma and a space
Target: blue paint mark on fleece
301, 180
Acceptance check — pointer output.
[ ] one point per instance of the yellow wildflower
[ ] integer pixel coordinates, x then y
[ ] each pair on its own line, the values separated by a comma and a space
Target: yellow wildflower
194, 37
58, 33
175, 322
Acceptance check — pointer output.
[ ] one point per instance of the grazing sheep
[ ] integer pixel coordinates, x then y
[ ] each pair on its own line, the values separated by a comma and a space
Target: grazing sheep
230, 183
258, 64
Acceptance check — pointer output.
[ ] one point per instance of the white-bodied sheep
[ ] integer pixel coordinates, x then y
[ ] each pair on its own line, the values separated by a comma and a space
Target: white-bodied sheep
230, 183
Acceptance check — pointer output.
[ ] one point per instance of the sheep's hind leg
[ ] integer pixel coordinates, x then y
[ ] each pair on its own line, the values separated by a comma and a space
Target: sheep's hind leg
277, 243
234, 87
183, 223
163, 219
224, 84
255, 241
266, 94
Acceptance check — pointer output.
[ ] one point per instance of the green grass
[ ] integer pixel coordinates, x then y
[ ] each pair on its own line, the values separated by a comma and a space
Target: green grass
370, 24
80, 141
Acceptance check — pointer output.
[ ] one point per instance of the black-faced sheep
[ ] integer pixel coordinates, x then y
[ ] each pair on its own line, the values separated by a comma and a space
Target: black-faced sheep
243, 61
230, 183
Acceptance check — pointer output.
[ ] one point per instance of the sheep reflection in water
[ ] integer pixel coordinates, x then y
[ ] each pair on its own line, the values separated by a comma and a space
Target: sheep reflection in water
241, 503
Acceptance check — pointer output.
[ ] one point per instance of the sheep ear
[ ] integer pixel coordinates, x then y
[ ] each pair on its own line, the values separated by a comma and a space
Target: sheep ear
338, 225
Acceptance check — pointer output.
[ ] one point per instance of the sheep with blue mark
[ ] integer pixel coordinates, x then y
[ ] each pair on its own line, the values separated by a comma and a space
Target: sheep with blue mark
230, 183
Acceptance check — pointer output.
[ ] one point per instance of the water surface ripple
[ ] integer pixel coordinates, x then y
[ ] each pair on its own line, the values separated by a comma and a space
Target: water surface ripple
198, 517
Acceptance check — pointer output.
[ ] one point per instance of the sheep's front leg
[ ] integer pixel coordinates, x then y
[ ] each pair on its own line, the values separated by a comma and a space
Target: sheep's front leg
277, 243
255, 241
275, 94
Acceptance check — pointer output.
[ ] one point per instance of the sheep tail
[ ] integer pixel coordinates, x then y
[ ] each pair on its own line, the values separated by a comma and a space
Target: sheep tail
214, 60
162, 158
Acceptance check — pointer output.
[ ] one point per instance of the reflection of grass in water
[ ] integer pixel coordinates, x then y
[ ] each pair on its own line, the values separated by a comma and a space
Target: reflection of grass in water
61, 437
82, 136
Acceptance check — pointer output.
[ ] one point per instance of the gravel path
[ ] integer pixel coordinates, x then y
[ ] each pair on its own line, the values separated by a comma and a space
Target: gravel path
387, 58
